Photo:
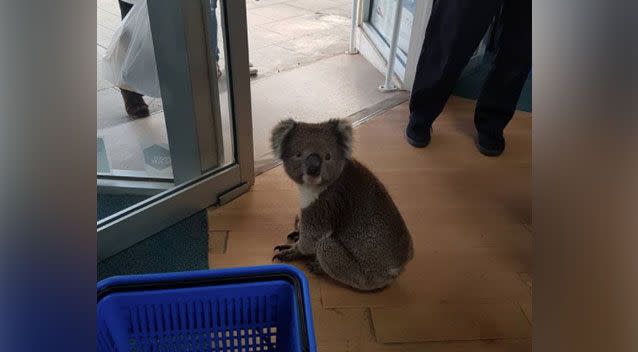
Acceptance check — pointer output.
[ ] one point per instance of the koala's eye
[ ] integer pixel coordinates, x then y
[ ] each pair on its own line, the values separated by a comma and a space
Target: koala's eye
328, 156
298, 155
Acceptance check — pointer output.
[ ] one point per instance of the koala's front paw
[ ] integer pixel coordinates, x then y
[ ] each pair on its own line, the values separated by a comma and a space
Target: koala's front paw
286, 253
293, 236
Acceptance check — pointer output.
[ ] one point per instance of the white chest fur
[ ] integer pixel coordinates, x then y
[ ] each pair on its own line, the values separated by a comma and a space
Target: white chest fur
308, 194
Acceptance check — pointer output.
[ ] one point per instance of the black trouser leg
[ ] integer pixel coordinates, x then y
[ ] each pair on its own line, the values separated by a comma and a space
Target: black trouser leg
502, 88
125, 7
455, 29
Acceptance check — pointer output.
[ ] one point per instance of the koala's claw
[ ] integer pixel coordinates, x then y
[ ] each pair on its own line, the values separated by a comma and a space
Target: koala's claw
286, 253
282, 247
293, 236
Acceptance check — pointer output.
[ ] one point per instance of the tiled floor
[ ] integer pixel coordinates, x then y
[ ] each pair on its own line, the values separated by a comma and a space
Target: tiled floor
469, 285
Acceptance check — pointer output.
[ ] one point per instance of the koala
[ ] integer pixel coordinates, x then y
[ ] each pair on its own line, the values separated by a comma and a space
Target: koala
348, 226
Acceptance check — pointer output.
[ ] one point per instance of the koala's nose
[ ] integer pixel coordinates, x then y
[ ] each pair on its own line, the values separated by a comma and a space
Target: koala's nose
313, 165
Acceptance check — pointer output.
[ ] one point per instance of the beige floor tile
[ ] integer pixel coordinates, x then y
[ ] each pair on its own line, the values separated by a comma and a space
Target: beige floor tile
104, 36
418, 284
341, 329
449, 322
217, 242
341, 10
100, 52
253, 19
262, 3
259, 37
527, 279
526, 307
279, 12
299, 26
321, 44
108, 19
109, 5
102, 83
369, 343
273, 59
314, 5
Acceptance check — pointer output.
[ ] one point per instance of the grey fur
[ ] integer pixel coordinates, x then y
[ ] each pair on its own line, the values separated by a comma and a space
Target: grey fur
344, 129
279, 134
352, 231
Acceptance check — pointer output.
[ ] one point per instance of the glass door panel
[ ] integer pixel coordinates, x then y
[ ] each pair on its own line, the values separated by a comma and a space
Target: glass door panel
195, 149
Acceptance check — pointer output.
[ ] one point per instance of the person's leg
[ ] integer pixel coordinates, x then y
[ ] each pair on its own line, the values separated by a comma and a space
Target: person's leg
213, 29
125, 7
454, 31
133, 102
214, 39
502, 88
214, 35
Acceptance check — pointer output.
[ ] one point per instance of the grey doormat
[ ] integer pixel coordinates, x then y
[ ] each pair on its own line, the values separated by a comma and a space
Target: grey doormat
181, 247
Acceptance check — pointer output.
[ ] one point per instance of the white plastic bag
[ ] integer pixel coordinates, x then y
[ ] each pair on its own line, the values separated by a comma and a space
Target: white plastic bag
129, 61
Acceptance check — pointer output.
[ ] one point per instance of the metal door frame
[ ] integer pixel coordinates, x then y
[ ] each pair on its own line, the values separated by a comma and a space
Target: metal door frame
405, 66
190, 97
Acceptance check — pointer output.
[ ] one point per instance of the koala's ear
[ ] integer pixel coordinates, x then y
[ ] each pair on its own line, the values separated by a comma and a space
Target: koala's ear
343, 129
279, 134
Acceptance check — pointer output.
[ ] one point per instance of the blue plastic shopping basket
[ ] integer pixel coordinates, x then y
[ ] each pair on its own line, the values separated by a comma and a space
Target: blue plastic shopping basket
264, 308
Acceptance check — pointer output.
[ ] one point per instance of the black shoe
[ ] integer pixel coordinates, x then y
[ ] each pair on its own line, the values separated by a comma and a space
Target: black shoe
420, 140
490, 145
134, 103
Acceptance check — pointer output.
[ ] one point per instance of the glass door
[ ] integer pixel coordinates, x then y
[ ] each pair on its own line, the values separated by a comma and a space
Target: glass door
193, 147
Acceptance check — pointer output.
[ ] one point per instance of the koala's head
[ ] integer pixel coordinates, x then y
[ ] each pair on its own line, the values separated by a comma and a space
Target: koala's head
313, 153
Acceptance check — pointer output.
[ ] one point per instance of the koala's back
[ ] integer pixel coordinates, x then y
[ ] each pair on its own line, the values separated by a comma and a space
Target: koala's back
370, 225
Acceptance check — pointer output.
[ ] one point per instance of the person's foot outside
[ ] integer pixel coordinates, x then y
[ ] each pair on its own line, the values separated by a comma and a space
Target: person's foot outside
134, 104
253, 71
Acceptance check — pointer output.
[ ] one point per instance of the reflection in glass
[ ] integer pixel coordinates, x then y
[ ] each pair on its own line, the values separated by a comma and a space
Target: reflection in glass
382, 18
